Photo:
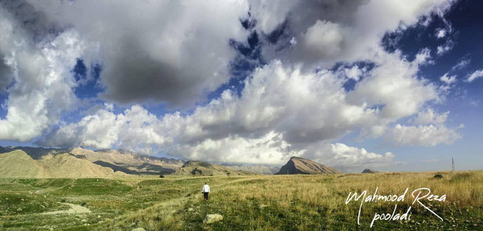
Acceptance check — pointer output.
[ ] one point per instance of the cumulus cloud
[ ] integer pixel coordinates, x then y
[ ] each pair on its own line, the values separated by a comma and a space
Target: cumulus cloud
137, 129
475, 75
345, 30
421, 135
175, 52
99, 131
339, 154
272, 149
162, 51
265, 121
268, 149
6, 76
38, 78
133, 130
430, 131
35, 24
354, 72
323, 39
429, 116
174, 63
394, 91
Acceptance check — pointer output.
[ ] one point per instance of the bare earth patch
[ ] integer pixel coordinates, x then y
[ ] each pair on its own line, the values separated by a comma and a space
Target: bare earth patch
74, 209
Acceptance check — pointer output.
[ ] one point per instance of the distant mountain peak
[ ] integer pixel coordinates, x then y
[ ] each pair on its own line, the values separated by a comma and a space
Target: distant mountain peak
299, 165
369, 171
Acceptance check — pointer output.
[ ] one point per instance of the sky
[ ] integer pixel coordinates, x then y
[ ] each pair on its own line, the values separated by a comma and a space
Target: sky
390, 85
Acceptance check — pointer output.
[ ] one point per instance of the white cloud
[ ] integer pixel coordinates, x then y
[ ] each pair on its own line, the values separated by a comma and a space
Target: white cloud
354, 72
176, 52
268, 149
355, 27
162, 51
462, 64
270, 14
324, 39
339, 154
133, 130
394, 90
41, 86
100, 130
428, 136
274, 102
475, 75
423, 57
430, 117
136, 129
448, 80
441, 33
430, 161
445, 48
136, 55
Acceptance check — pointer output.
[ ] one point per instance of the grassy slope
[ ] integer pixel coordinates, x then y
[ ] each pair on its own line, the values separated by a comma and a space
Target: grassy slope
294, 202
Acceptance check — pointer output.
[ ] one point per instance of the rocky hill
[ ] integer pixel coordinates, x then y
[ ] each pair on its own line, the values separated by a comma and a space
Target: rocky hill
369, 171
298, 165
116, 160
129, 162
199, 168
18, 164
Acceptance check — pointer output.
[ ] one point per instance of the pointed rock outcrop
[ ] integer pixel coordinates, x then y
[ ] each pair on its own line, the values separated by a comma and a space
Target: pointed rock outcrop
298, 165
369, 171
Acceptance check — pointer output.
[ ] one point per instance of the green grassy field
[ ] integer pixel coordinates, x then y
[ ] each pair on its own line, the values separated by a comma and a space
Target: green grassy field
291, 202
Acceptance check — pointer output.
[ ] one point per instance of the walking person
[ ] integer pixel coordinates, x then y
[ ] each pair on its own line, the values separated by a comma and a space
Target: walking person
205, 191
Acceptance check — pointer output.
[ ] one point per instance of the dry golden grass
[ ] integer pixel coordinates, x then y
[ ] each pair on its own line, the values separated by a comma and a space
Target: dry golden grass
313, 202
466, 188
260, 202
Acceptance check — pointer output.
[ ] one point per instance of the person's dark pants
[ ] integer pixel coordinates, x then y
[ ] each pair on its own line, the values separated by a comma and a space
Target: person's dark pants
205, 195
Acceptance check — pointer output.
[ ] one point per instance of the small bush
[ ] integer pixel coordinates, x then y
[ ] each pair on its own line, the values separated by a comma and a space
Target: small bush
438, 176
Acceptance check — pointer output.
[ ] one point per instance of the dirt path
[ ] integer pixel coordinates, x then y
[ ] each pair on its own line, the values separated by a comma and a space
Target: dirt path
74, 209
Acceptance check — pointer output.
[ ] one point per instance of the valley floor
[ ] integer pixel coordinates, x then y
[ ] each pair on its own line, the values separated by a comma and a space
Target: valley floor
275, 202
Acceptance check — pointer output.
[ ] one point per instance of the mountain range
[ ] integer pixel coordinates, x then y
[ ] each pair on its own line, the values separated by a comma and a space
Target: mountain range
37, 162
18, 164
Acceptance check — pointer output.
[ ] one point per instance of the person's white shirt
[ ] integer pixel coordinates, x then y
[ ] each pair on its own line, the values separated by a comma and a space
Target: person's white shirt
206, 189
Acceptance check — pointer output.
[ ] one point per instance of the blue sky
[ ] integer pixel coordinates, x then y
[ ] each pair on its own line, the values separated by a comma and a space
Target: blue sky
358, 85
